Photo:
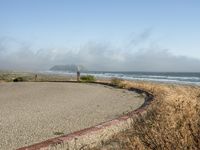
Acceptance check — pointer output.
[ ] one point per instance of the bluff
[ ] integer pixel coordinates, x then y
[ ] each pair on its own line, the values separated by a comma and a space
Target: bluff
68, 68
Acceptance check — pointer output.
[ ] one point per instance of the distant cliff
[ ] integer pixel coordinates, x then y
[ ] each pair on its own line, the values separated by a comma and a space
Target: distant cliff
68, 68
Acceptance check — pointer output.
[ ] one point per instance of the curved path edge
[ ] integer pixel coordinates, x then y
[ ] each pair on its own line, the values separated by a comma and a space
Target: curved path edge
92, 136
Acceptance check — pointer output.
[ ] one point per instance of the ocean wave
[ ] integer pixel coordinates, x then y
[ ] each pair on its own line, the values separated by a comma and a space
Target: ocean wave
156, 78
180, 78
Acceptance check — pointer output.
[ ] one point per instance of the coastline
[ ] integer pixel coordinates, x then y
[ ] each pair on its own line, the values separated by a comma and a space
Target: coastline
172, 104
65, 76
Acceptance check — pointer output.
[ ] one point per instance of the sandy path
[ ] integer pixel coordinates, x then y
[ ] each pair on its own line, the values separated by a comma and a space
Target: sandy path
33, 112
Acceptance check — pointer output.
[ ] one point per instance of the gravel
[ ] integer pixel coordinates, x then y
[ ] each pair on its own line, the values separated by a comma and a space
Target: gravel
31, 112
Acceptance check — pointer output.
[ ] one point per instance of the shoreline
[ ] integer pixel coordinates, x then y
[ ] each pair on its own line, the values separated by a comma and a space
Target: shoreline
63, 76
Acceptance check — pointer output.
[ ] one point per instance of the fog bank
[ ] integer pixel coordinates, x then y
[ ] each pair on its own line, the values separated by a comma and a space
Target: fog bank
95, 56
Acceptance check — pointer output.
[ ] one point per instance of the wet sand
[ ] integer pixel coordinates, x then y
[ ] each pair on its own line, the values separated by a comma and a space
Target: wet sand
31, 112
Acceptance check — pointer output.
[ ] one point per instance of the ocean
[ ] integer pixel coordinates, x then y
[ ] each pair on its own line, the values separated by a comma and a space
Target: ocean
164, 77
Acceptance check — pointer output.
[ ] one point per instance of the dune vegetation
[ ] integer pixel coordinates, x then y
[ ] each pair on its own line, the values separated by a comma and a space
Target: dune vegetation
88, 78
172, 120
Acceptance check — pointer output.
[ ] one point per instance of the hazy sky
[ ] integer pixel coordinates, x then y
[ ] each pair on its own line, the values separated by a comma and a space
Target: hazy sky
111, 35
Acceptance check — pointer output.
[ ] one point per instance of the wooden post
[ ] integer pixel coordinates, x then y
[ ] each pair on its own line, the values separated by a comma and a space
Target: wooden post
78, 75
35, 77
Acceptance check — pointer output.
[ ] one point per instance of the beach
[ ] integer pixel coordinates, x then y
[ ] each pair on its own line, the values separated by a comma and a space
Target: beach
31, 112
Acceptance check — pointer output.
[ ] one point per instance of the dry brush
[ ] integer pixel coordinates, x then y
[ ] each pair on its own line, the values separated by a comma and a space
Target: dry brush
172, 121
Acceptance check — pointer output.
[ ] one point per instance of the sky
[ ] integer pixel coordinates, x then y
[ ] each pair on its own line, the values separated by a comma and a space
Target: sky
102, 35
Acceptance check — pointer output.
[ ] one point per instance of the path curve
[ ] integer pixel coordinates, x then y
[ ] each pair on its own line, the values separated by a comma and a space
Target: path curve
34, 112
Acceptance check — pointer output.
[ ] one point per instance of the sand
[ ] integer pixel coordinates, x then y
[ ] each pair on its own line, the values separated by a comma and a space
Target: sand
31, 112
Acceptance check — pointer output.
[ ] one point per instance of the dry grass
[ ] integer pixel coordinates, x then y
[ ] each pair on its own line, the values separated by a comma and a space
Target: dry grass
172, 121
117, 82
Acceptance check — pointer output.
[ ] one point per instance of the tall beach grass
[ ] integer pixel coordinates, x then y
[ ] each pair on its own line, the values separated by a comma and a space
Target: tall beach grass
172, 120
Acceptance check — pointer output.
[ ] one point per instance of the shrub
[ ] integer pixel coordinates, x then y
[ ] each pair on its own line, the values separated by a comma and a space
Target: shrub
117, 82
88, 78
172, 121
18, 79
